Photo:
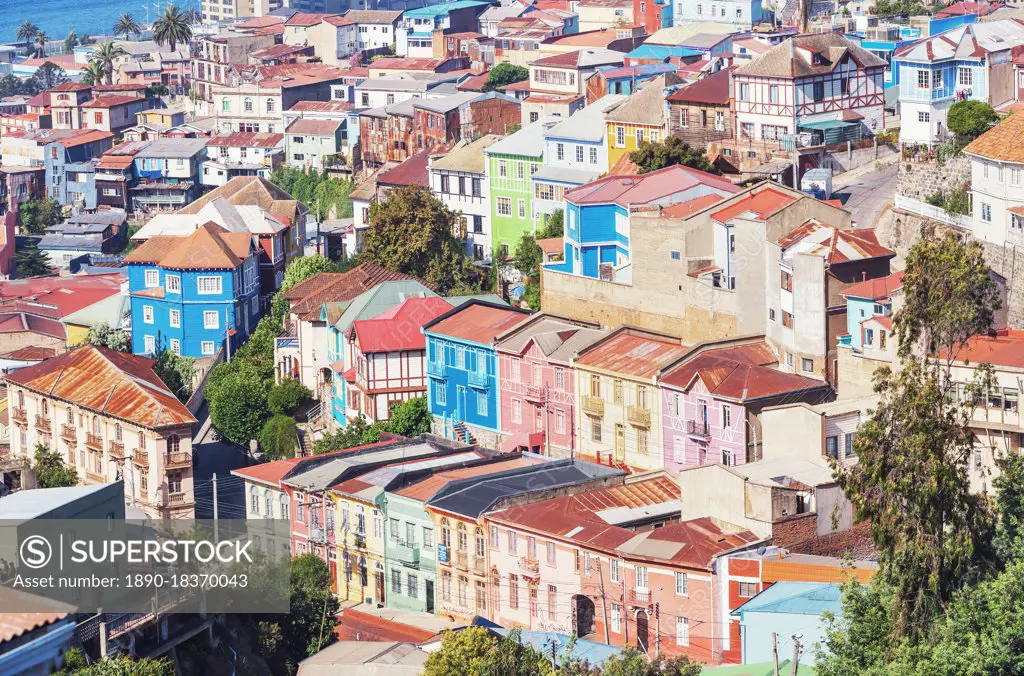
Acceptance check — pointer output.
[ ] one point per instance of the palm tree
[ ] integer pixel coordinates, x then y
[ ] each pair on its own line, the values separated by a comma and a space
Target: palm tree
172, 28
41, 40
193, 16
70, 42
94, 73
26, 31
105, 55
126, 26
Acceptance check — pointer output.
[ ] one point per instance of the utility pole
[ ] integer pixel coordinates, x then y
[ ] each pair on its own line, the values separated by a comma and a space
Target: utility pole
625, 614
796, 654
547, 422
227, 335
604, 604
775, 654
657, 630
216, 534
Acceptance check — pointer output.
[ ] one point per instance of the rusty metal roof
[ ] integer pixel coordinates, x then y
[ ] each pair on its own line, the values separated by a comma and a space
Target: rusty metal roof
632, 353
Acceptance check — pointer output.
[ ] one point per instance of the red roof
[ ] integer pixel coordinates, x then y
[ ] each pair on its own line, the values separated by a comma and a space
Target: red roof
332, 106
964, 8
632, 353
413, 171
70, 86
399, 327
402, 63
687, 209
13, 625
308, 296
763, 203
209, 247
645, 188
475, 83
108, 382
305, 125
304, 19
476, 321
876, 289
596, 38
268, 472
247, 139
65, 61
63, 294
713, 89
111, 101
552, 245
833, 244
739, 373
31, 353
1002, 348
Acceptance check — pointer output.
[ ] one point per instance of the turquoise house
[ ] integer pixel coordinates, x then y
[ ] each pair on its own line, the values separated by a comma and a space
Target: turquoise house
793, 611
865, 301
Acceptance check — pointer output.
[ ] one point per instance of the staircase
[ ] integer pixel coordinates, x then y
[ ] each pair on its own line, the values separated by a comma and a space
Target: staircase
305, 443
461, 433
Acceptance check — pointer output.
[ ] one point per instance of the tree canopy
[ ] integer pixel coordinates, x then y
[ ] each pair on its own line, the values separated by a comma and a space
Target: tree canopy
673, 150
287, 395
36, 215
29, 261
971, 118
238, 401
177, 372
50, 469
505, 74
279, 437
103, 335
172, 28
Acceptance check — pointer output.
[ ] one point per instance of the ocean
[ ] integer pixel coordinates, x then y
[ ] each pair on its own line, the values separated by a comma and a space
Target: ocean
57, 17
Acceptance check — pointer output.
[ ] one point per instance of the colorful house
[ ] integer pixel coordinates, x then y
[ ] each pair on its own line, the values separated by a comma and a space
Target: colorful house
712, 398
641, 117
463, 370
866, 300
620, 405
538, 388
191, 294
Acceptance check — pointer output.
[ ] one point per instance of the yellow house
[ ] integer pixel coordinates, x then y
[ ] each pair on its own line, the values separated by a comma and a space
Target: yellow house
110, 311
619, 412
358, 542
641, 117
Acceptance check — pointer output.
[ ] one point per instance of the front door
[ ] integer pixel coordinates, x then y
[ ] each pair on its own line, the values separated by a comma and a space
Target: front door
430, 596
379, 587
334, 575
641, 631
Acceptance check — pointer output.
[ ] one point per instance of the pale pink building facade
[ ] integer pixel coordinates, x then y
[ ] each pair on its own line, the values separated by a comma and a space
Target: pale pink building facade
536, 383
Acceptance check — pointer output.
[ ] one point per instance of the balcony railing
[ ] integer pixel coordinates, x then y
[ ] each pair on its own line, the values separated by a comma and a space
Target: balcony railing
19, 415
436, 369
593, 405
117, 450
476, 379
535, 393
177, 459
640, 596
141, 458
529, 567
698, 428
68, 433
317, 534
406, 552
461, 560
43, 423
641, 417
94, 441
283, 342
176, 499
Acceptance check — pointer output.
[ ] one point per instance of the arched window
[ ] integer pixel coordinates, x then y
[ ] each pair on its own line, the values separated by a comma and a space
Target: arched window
268, 504
117, 432
462, 537
71, 416
254, 501
247, 104
480, 546
495, 589
446, 534
173, 443
96, 425
45, 407
362, 571
270, 105
21, 399
284, 506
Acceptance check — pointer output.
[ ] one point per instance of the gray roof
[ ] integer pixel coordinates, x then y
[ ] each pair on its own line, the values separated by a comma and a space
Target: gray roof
24, 505
587, 124
61, 241
456, 301
401, 108
379, 479
334, 469
551, 337
447, 103
372, 15
103, 218
372, 658
173, 147
565, 175
381, 298
467, 156
779, 61
527, 142
646, 106
110, 311
473, 496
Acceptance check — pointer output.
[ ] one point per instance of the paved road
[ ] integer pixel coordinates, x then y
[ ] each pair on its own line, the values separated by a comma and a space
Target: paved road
868, 194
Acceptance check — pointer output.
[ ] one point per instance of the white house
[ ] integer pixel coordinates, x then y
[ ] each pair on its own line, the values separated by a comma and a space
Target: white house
459, 179
240, 154
997, 183
376, 27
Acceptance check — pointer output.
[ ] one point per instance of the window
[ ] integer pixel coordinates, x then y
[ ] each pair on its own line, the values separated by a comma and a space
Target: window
580, 154
440, 393
923, 116
807, 365
986, 212
848, 444
270, 105
495, 537
172, 283
413, 586
522, 208
620, 136
513, 590
818, 91
560, 421
211, 319
513, 543
463, 592
613, 566
773, 93
445, 183
923, 79
747, 590
504, 206
207, 347
726, 416
744, 92
684, 117
150, 344
396, 582
641, 577
446, 586
209, 285
551, 553
595, 430
593, 155
152, 278
616, 618
517, 411
225, 105
787, 321
147, 314
175, 317
428, 537
682, 584
682, 631
639, 136
560, 151
520, 170
481, 403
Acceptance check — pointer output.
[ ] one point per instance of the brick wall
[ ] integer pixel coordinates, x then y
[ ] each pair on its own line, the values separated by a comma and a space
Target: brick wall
918, 180
795, 529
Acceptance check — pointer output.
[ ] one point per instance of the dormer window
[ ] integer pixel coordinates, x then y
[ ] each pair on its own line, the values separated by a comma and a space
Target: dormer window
816, 59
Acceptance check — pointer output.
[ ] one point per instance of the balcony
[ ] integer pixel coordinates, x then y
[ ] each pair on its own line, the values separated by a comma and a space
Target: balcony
141, 458
68, 433
406, 553
640, 417
43, 423
476, 379
18, 415
461, 560
95, 477
535, 393
593, 406
640, 597
176, 499
436, 369
698, 428
284, 342
529, 567
317, 534
94, 441
117, 450
479, 565
177, 460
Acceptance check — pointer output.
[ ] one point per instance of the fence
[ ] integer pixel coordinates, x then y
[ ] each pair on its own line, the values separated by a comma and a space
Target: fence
933, 212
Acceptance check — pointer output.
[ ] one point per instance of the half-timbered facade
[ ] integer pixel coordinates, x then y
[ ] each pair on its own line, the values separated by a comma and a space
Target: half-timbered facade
388, 352
538, 411
822, 84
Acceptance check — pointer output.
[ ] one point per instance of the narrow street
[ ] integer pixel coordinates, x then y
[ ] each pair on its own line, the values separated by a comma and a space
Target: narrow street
867, 195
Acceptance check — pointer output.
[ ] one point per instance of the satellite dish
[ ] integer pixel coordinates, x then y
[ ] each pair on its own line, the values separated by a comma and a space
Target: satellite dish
761, 551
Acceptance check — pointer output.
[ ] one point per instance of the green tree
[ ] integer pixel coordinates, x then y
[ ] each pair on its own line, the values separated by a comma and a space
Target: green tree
238, 401
48, 76
410, 418
36, 215
412, 231
528, 256
505, 74
555, 227
41, 40
177, 372
156, 90
105, 55
301, 269
70, 42
287, 396
27, 31
279, 437
358, 432
94, 73
890, 8
673, 150
1009, 485
629, 662
127, 27
172, 28
29, 261
127, 666
103, 335
968, 119
50, 470
461, 652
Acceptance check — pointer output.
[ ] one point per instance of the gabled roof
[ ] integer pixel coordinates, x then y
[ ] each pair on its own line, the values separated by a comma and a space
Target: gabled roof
647, 105
714, 89
875, 289
796, 598
398, 329
467, 157
305, 125
476, 321
1002, 142
111, 101
793, 58
308, 296
632, 352
246, 139
252, 190
582, 58
426, 489
210, 247
557, 338
972, 41
762, 204
108, 382
834, 245
412, 171
645, 188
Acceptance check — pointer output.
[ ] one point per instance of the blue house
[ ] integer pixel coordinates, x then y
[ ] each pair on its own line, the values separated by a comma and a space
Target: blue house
597, 236
865, 302
883, 41
787, 609
68, 156
462, 366
190, 294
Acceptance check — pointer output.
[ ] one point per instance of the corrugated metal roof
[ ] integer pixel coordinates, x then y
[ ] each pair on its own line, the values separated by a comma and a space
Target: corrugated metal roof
796, 598
632, 353
476, 321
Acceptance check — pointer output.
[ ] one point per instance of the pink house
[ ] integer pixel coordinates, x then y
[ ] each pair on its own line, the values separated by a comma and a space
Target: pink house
713, 396
537, 386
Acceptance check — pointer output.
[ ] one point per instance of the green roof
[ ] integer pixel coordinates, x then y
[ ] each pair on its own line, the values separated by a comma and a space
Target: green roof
380, 298
757, 669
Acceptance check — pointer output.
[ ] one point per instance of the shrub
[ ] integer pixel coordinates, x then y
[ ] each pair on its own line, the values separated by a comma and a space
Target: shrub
287, 396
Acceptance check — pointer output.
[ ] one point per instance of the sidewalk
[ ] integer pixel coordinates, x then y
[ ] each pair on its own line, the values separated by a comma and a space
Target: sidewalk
852, 176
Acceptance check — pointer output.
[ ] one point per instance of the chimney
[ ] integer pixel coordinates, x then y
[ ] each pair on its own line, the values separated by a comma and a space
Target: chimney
863, 275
